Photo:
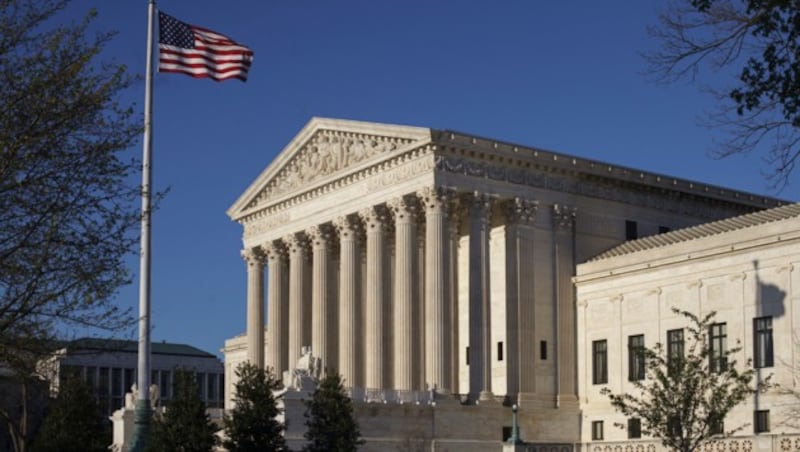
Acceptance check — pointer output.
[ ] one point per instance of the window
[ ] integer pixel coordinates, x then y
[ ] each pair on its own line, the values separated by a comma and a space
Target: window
762, 342
674, 426
599, 362
543, 350
663, 229
761, 421
500, 351
718, 360
674, 348
716, 425
597, 430
130, 379
634, 428
468, 356
165, 384
636, 357
631, 230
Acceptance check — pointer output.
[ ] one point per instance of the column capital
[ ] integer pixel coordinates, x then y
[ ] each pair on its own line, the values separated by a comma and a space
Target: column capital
480, 205
320, 235
563, 217
436, 197
296, 242
374, 217
347, 225
404, 208
522, 211
274, 250
253, 256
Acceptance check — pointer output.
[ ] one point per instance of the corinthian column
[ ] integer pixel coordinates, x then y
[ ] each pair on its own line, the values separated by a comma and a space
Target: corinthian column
348, 291
480, 370
405, 213
255, 306
320, 237
437, 321
564, 242
277, 298
374, 219
298, 335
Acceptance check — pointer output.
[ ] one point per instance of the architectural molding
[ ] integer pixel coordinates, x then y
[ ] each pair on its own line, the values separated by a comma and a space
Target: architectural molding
522, 211
563, 217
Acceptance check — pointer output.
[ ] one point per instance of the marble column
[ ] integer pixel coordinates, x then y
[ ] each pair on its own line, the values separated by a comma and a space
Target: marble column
298, 336
519, 283
349, 270
277, 304
375, 223
564, 242
320, 237
254, 258
480, 370
404, 210
437, 321
453, 239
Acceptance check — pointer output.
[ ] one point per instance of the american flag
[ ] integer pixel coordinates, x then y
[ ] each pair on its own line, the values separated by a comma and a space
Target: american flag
200, 52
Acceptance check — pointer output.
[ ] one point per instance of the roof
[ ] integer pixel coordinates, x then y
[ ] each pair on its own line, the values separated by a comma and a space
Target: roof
701, 231
129, 346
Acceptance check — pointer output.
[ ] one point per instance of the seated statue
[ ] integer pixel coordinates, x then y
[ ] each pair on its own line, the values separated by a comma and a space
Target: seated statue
307, 370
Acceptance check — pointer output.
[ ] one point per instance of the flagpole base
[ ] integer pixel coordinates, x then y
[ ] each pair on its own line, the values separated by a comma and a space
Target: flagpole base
143, 416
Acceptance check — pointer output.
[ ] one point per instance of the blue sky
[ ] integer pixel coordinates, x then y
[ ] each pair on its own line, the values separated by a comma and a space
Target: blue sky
564, 76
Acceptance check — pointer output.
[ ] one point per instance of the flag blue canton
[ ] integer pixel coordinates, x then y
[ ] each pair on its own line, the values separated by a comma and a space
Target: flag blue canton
174, 32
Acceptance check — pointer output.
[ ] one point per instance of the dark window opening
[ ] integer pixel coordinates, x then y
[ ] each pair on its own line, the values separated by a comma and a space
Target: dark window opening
597, 430
599, 362
663, 229
762, 342
634, 428
718, 359
543, 350
500, 351
468, 356
674, 349
761, 421
631, 230
636, 357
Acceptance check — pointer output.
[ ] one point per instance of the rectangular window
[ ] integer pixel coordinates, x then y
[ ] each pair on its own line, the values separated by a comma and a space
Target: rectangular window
631, 230
599, 362
674, 426
543, 350
762, 342
130, 379
718, 360
674, 348
211, 392
663, 229
500, 351
716, 425
636, 357
761, 421
468, 356
634, 428
597, 430
200, 381
164, 384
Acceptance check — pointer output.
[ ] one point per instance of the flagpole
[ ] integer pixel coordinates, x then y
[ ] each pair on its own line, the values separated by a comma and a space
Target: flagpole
143, 410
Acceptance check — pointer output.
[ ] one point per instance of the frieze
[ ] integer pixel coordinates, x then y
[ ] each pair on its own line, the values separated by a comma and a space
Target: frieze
400, 174
259, 225
327, 152
670, 201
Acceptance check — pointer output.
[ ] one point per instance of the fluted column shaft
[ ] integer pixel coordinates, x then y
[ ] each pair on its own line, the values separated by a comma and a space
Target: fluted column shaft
437, 322
255, 306
564, 242
453, 238
480, 376
297, 294
320, 237
276, 308
348, 290
405, 213
375, 223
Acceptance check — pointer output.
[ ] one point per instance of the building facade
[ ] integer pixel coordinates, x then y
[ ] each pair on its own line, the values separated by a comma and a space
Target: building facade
429, 265
745, 269
109, 366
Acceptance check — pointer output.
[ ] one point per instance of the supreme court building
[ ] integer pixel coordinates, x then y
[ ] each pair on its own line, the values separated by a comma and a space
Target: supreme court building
434, 271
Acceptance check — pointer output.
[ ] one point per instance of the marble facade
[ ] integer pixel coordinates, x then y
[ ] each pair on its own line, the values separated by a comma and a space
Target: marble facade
427, 264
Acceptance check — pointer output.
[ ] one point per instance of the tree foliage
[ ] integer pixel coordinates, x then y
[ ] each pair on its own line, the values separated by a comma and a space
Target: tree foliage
73, 422
252, 424
684, 398
760, 41
184, 426
330, 420
68, 211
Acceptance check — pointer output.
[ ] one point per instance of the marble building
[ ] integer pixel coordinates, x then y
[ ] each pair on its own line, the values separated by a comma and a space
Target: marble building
428, 265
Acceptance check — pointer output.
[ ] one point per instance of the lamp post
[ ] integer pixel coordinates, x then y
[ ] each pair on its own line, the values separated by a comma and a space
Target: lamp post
514, 438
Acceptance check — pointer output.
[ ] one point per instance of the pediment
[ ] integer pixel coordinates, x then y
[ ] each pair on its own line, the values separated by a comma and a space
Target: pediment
325, 149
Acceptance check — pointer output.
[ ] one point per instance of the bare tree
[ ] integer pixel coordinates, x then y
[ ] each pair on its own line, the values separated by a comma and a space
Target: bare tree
759, 40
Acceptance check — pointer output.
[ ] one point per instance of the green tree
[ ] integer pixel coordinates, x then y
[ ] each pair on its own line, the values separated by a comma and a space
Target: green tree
73, 422
331, 423
252, 424
759, 41
686, 395
184, 426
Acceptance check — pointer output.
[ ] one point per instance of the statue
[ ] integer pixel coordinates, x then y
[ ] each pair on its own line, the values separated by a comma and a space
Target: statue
130, 398
154, 395
307, 370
